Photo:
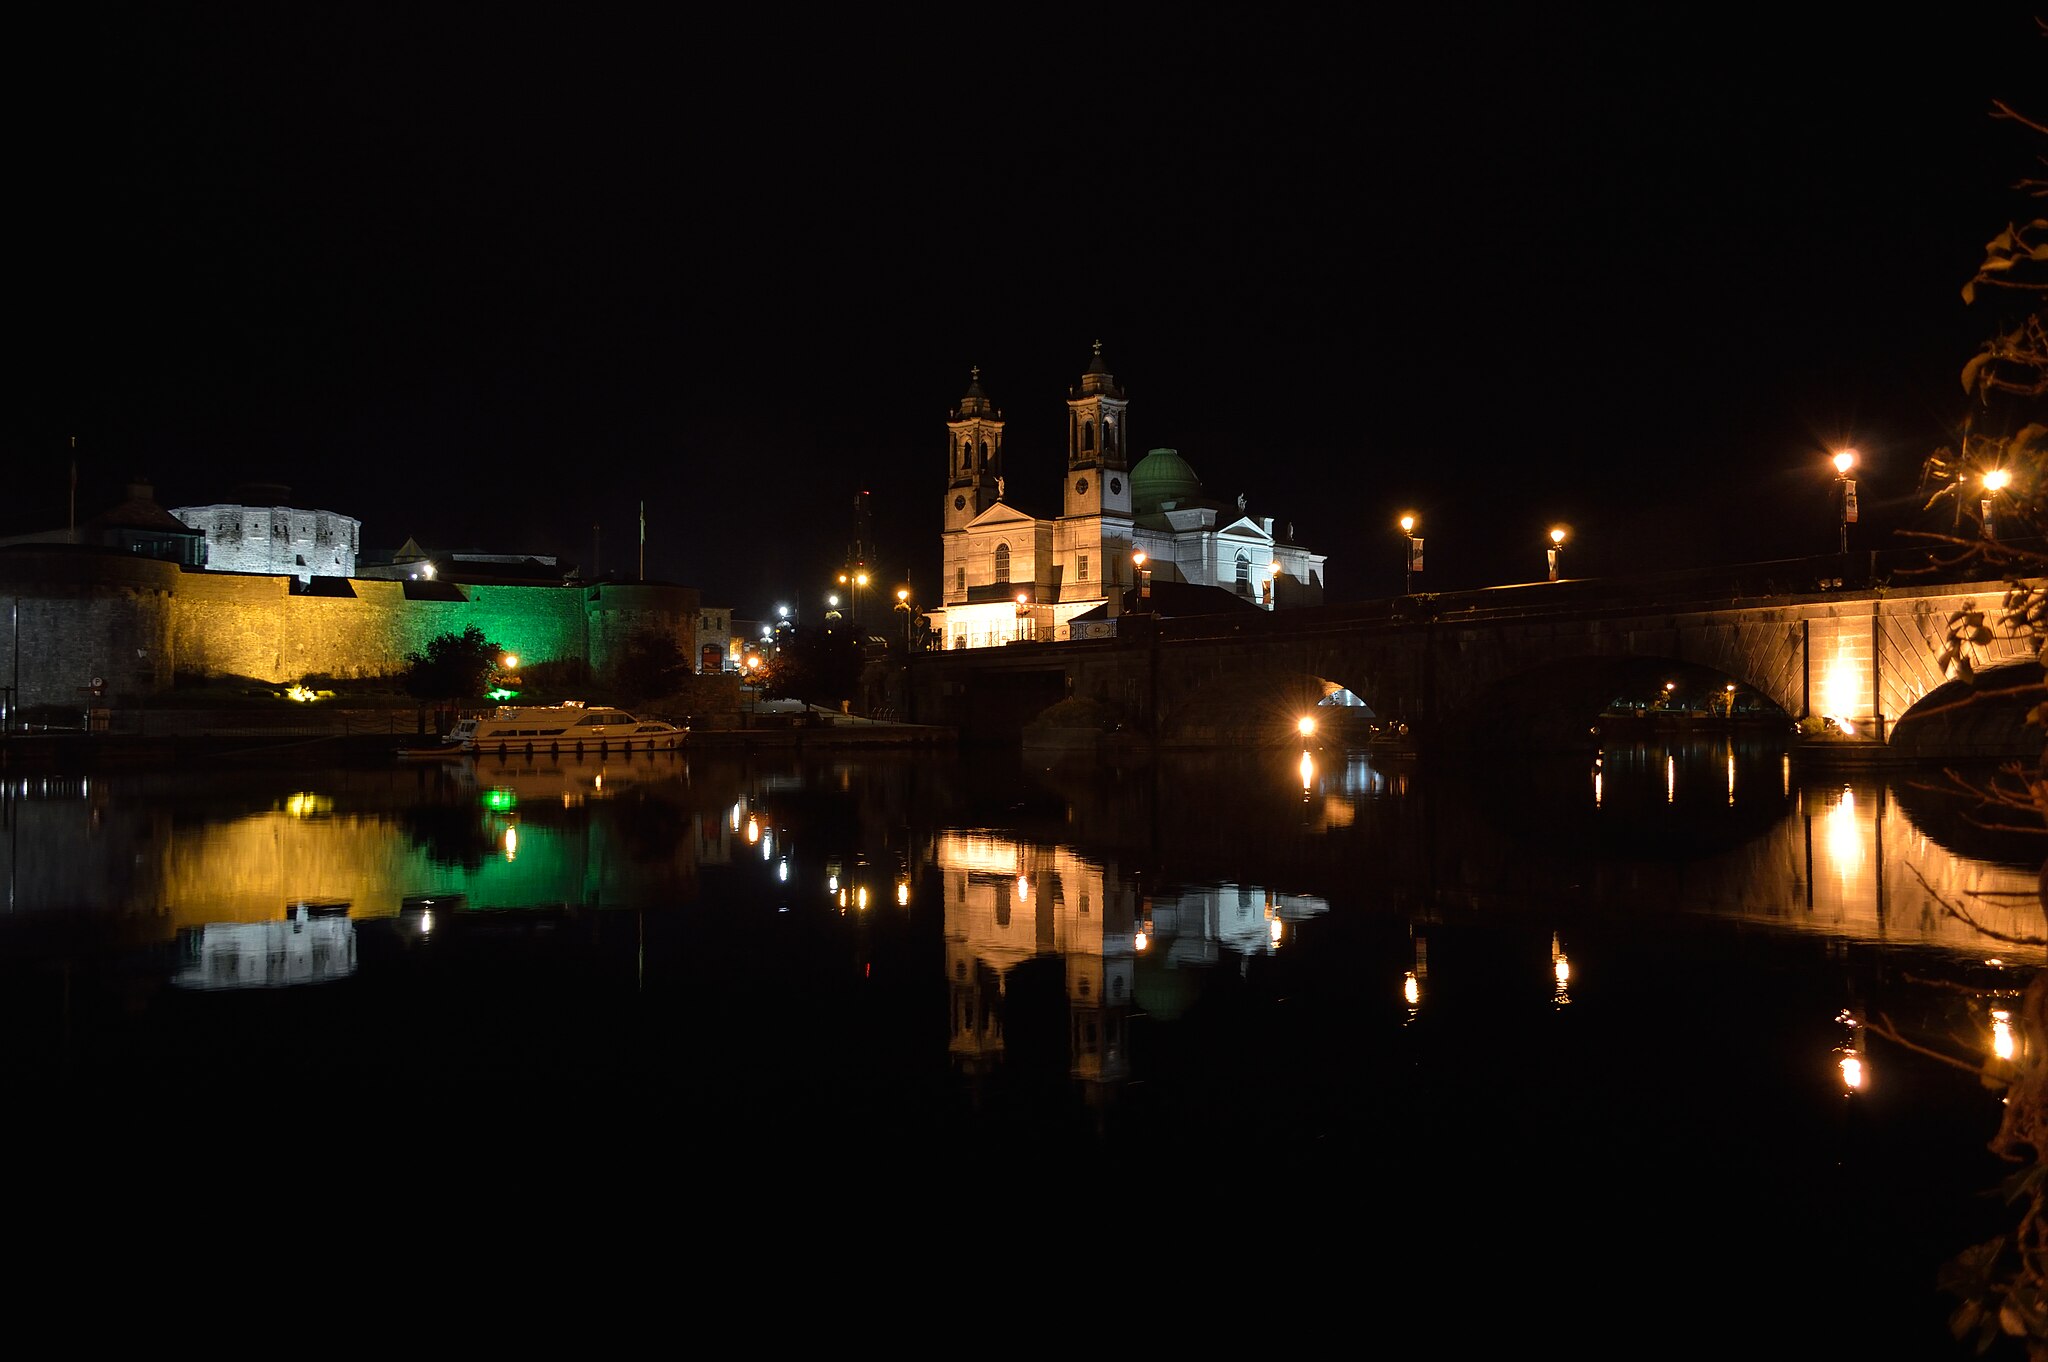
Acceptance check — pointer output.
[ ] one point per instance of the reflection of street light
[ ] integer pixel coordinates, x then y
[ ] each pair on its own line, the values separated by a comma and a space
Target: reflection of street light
1994, 483
1845, 491
1408, 523
1557, 534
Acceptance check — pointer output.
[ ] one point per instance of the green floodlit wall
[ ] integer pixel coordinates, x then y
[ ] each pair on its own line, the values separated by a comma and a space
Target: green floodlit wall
140, 624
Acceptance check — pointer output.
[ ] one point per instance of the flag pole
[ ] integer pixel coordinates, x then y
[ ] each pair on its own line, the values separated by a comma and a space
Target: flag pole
643, 541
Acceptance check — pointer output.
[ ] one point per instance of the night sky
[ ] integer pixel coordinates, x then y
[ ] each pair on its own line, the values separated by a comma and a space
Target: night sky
491, 277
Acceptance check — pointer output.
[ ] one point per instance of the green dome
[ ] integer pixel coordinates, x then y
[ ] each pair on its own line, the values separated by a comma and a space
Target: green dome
1162, 476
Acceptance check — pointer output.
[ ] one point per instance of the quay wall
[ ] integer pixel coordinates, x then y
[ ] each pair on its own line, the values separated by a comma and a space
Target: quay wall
140, 625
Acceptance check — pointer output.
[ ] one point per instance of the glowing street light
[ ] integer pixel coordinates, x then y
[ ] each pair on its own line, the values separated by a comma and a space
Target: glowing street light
1845, 491
1557, 538
1995, 481
1408, 524
903, 604
1144, 579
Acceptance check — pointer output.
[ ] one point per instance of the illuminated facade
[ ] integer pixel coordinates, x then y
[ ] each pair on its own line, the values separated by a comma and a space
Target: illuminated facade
276, 539
1012, 577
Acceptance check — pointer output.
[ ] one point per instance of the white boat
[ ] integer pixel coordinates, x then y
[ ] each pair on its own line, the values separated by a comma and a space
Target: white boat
571, 726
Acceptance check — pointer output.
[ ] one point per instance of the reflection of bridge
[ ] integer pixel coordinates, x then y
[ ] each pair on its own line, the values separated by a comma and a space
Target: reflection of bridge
1859, 640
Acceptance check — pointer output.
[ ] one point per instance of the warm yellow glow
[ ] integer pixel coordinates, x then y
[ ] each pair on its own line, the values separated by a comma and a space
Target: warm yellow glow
1731, 775
511, 842
1841, 688
2002, 1043
1407, 524
1140, 941
1670, 779
1307, 725
903, 893
1276, 928
753, 829
1139, 557
304, 805
427, 572
903, 593
1596, 787
302, 693
1852, 1072
1023, 888
511, 661
1557, 534
1844, 837
1308, 771
1845, 460
426, 923
1996, 479
860, 898
1021, 598
1411, 989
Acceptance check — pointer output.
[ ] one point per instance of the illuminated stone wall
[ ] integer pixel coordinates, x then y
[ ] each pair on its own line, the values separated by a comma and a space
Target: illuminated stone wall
304, 544
139, 624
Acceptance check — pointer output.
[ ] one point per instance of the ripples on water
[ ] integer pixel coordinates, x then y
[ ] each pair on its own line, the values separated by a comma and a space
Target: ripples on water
1566, 1031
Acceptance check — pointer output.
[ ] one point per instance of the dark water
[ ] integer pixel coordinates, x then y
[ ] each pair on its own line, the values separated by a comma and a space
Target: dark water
1127, 1032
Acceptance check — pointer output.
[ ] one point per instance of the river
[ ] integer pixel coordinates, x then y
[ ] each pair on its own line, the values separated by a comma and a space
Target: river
1557, 1044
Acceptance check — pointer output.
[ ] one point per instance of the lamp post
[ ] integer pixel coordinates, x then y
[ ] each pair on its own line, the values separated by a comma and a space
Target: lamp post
1557, 537
1408, 523
1845, 490
903, 604
1272, 581
1144, 580
1994, 483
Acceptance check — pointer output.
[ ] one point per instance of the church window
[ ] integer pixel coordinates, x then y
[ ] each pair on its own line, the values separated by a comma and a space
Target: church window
1244, 574
1084, 567
966, 455
984, 451
960, 581
1087, 437
1002, 563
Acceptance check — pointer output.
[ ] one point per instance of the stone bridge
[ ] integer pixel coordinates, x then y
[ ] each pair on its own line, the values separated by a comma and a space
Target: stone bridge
1858, 640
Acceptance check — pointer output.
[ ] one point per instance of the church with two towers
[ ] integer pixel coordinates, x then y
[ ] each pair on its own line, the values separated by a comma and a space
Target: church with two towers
1123, 529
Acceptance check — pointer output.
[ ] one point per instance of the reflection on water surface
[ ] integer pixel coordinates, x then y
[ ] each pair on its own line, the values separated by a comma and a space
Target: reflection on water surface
1588, 996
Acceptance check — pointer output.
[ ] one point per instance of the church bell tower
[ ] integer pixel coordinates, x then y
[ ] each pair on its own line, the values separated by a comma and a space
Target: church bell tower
1098, 469
974, 455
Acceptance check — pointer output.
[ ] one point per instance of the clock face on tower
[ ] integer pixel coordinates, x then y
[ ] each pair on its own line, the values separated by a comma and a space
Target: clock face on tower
959, 503
1080, 487
1116, 486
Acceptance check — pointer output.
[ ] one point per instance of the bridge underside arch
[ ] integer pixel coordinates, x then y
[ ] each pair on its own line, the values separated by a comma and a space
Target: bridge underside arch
1247, 709
1558, 705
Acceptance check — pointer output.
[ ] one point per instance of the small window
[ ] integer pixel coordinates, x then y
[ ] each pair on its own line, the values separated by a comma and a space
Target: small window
1002, 563
1084, 567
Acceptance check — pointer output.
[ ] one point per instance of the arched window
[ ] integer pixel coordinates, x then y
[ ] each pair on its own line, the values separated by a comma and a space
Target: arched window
1087, 437
966, 456
984, 451
1244, 573
1002, 562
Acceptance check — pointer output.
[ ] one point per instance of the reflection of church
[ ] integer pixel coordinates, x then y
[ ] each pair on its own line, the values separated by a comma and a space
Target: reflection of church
1013, 907
1009, 576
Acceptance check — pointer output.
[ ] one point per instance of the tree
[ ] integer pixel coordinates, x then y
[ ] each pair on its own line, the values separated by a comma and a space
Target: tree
2002, 1284
652, 665
453, 667
817, 666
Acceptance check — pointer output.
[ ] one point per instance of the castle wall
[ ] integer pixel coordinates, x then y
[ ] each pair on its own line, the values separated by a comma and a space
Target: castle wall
139, 625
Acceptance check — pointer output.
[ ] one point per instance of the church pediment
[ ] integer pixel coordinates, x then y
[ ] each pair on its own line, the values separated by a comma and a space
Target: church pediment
1244, 527
1000, 515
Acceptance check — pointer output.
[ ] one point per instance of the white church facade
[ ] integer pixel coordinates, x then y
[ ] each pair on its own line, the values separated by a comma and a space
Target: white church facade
1124, 528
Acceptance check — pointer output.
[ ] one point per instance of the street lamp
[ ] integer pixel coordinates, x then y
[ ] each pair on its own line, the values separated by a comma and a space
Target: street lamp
1272, 580
903, 604
1845, 490
1994, 483
1557, 536
1408, 523
1144, 580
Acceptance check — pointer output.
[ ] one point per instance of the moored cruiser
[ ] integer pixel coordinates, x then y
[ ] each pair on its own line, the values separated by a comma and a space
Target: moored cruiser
571, 726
